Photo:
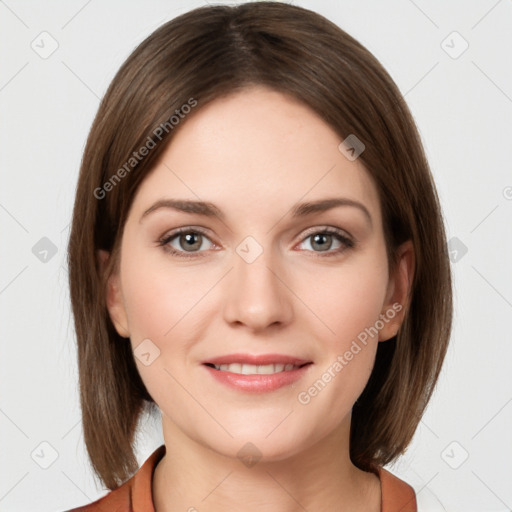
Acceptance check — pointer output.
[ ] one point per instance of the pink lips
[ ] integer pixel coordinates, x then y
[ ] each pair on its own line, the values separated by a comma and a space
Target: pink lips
258, 383
257, 360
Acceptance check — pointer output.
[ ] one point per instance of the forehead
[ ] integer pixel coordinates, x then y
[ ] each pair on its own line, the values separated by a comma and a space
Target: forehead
257, 150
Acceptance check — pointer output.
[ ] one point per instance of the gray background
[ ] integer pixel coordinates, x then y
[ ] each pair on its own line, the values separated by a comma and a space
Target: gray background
460, 459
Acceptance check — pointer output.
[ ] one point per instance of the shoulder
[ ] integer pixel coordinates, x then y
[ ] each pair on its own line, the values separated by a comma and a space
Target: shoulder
135, 495
397, 495
117, 500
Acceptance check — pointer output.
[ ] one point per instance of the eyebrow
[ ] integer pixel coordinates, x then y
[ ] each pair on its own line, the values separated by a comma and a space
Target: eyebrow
210, 210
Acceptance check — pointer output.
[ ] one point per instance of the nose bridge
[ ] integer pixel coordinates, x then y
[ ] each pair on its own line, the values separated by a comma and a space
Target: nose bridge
257, 296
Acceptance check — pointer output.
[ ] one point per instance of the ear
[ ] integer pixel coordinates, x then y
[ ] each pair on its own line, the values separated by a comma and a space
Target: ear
398, 292
114, 298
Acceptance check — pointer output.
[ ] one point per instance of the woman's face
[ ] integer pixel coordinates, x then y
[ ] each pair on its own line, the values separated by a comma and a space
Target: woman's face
255, 278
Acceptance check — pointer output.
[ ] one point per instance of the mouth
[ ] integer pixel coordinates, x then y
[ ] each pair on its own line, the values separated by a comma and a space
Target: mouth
264, 364
263, 373
253, 369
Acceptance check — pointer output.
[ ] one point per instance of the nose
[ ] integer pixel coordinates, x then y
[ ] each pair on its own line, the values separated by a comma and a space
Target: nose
257, 293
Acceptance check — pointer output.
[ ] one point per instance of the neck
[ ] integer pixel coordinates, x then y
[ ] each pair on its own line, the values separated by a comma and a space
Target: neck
192, 477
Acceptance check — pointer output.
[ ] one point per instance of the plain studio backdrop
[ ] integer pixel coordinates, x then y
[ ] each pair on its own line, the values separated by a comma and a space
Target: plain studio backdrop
451, 60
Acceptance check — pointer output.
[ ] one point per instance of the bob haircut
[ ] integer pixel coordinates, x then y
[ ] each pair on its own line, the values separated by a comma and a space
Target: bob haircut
204, 54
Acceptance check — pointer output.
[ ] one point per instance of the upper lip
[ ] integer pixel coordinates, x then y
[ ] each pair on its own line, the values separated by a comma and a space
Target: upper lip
257, 360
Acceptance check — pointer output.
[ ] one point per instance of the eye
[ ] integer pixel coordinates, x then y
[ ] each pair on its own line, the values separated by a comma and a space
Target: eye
323, 241
186, 240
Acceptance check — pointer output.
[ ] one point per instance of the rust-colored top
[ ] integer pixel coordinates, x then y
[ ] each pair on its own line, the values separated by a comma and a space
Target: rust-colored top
135, 494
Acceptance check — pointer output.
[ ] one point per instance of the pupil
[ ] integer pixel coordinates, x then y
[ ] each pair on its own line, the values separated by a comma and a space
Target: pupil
189, 238
322, 246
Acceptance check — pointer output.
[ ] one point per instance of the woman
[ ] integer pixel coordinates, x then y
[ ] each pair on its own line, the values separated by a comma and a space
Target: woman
257, 251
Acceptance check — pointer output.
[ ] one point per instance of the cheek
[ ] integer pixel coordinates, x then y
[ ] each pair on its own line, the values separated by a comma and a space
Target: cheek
347, 308
345, 301
158, 298
166, 304
161, 306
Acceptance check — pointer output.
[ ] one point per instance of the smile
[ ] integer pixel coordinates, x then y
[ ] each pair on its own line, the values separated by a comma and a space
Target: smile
257, 373
252, 369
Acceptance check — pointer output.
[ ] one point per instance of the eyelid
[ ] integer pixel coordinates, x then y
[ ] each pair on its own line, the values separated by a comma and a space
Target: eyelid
329, 229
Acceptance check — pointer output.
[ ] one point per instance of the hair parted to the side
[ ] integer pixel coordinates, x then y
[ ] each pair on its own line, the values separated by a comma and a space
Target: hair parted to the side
207, 53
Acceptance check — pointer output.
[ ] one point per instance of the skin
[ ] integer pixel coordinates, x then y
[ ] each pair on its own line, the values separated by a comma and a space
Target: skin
255, 154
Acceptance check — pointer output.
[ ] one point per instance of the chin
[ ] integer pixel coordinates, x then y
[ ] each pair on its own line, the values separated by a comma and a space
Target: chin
254, 442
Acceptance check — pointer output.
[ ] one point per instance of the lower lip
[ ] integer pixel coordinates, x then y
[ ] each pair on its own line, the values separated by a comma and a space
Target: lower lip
259, 383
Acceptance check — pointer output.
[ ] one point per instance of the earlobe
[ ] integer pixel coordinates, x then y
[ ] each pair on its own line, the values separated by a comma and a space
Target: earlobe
398, 292
114, 297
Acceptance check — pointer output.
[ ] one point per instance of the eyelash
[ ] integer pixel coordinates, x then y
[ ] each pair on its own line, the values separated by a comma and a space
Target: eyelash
166, 239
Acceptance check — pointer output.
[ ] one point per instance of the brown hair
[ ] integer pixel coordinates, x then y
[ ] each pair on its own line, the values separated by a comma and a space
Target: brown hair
202, 55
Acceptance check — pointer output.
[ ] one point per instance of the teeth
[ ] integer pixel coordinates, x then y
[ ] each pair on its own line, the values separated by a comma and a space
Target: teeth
252, 369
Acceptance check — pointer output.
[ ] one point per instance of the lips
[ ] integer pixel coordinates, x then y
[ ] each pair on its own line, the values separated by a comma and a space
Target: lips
257, 373
256, 360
